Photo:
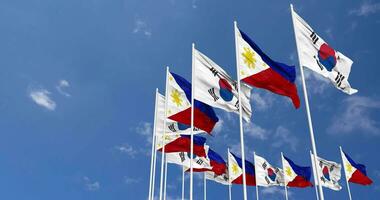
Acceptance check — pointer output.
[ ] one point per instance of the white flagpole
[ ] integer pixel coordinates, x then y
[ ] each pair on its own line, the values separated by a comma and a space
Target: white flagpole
183, 182
344, 167
240, 114
229, 179
257, 187
315, 177
154, 166
166, 177
192, 121
285, 183
204, 186
314, 148
163, 136
152, 159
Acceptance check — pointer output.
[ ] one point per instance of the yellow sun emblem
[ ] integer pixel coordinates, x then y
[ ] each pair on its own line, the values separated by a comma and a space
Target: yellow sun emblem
349, 167
288, 171
249, 58
176, 98
235, 168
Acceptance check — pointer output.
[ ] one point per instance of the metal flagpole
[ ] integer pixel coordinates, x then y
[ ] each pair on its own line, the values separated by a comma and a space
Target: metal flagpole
344, 167
192, 122
163, 136
240, 114
183, 182
152, 152
166, 177
285, 184
229, 179
154, 165
314, 148
257, 187
204, 186
315, 177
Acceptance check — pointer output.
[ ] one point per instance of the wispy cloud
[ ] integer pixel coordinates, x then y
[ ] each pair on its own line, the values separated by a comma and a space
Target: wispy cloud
316, 83
142, 28
262, 100
130, 180
366, 8
194, 4
62, 85
274, 190
283, 137
256, 131
127, 149
145, 129
41, 97
91, 185
355, 115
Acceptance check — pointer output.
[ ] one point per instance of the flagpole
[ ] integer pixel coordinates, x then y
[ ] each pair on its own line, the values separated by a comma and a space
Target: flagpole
307, 109
153, 147
285, 184
183, 182
240, 115
257, 187
229, 179
315, 177
192, 121
204, 186
166, 177
344, 167
154, 165
163, 136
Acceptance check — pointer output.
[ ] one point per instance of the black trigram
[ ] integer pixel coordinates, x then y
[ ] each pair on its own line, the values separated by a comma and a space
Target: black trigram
214, 71
199, 162
314, 37
211, 91
182, 156
237, 105
264, 165
339, 79
172, 128
267, 180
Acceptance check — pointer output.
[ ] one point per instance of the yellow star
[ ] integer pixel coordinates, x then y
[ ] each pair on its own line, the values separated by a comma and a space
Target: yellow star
349, 167
235, 168
288, 171
249, 58
170, 78
176, 97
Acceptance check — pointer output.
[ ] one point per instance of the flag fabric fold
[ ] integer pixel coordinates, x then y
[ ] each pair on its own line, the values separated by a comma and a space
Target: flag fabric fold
182, 143
295, 175
179, 105
317, 55
235, 171
217, 89
184, 158
329, 173
259, 70
266, 174
355, 172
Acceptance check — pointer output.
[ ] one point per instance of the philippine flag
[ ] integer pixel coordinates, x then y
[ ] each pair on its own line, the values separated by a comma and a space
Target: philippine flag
235, 171
179, 105
295, 175
355, 172
182, 143
259, 70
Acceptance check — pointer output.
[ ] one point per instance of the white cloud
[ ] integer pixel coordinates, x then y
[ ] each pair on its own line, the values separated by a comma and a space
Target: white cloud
91, 185
62, 84
218, 127
366, 8
261, 100
127, 149
274, 190
316, 84
141, 27
256, 131
41, 97
145, 129
355, 115
329, 33
129, 180
283, 137
194, 4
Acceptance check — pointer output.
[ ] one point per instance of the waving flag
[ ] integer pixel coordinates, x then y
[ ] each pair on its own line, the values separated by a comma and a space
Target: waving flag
266, 174
317, 55
184, 158
295, 175
181, 143
179, 105
235, 171
219, 171
258, 70
355, 172
216, 88
329, 173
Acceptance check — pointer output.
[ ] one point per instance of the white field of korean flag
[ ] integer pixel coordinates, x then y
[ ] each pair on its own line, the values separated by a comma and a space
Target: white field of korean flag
329, 173
183, 159
315, 54
266, 174
217, 89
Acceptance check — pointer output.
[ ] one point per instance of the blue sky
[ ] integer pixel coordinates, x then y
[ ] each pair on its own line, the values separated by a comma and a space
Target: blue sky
78, 78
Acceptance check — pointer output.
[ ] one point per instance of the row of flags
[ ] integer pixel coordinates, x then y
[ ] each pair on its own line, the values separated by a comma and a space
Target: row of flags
215, 88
